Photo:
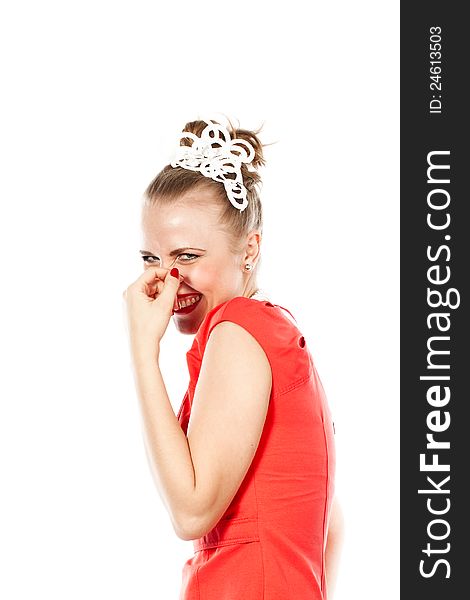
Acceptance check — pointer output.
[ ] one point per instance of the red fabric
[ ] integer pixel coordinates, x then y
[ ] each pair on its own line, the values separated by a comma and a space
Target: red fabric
269, 544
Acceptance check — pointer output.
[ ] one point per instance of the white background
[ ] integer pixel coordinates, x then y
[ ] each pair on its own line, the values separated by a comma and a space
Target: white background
93, 94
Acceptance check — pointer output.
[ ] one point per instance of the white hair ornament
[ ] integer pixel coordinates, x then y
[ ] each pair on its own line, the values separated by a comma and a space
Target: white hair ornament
213, 155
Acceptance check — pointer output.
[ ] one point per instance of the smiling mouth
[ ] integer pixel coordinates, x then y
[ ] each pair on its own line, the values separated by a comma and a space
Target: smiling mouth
185, 303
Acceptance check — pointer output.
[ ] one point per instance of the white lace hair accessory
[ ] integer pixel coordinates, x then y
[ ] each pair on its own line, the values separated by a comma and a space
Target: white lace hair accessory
213, 155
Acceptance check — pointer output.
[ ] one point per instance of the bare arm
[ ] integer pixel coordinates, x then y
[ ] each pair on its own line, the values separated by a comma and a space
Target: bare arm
198, 475
334, 546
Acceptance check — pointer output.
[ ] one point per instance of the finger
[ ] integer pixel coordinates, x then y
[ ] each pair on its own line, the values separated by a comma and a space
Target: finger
151, 275
150, 282
160, 286
154, 289
155, 286
170, 288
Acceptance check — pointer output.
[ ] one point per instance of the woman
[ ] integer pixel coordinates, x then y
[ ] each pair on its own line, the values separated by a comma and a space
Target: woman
246, 467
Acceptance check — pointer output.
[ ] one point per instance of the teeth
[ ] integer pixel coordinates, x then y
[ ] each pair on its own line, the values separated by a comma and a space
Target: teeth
187, 301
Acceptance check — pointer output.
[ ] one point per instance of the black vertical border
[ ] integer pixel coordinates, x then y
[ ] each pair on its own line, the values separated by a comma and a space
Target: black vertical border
421, 133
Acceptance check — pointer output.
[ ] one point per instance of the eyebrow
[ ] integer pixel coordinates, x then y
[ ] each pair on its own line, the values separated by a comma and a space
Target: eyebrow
173, 252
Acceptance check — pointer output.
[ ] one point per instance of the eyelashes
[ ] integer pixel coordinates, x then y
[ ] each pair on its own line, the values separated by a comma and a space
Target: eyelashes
151, 260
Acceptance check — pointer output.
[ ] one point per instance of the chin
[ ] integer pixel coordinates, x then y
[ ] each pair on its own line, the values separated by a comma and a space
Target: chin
186, 326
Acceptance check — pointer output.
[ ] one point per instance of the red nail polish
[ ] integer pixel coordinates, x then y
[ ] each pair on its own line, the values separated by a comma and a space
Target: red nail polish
174, 271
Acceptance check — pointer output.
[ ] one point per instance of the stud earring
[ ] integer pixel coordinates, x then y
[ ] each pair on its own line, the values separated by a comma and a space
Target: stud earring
248, 267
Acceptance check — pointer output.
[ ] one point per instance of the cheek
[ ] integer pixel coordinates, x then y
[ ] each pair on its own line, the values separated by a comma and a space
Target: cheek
202, 279
209, 277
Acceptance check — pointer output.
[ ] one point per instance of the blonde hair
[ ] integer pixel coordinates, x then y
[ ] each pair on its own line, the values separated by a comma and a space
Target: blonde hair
172, 182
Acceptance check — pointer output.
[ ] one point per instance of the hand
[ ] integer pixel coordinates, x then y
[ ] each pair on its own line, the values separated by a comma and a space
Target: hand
149, 305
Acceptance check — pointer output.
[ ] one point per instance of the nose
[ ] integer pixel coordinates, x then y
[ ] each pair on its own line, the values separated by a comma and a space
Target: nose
179, 267
172, 264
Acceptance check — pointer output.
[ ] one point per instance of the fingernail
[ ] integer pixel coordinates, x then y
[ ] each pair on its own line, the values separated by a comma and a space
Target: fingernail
175, 273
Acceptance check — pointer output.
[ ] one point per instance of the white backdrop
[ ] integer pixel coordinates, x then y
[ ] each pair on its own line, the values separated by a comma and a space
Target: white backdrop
94, 92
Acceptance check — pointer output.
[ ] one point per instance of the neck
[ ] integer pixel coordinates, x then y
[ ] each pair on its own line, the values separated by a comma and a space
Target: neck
251, 292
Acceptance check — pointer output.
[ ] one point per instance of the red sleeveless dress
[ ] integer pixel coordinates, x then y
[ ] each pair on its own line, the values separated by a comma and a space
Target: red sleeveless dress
270, 542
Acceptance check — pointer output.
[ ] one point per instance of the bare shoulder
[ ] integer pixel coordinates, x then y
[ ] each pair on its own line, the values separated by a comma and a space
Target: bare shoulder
230, 340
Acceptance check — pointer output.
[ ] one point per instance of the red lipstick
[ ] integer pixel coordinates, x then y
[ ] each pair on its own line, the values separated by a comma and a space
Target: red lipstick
187, 309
